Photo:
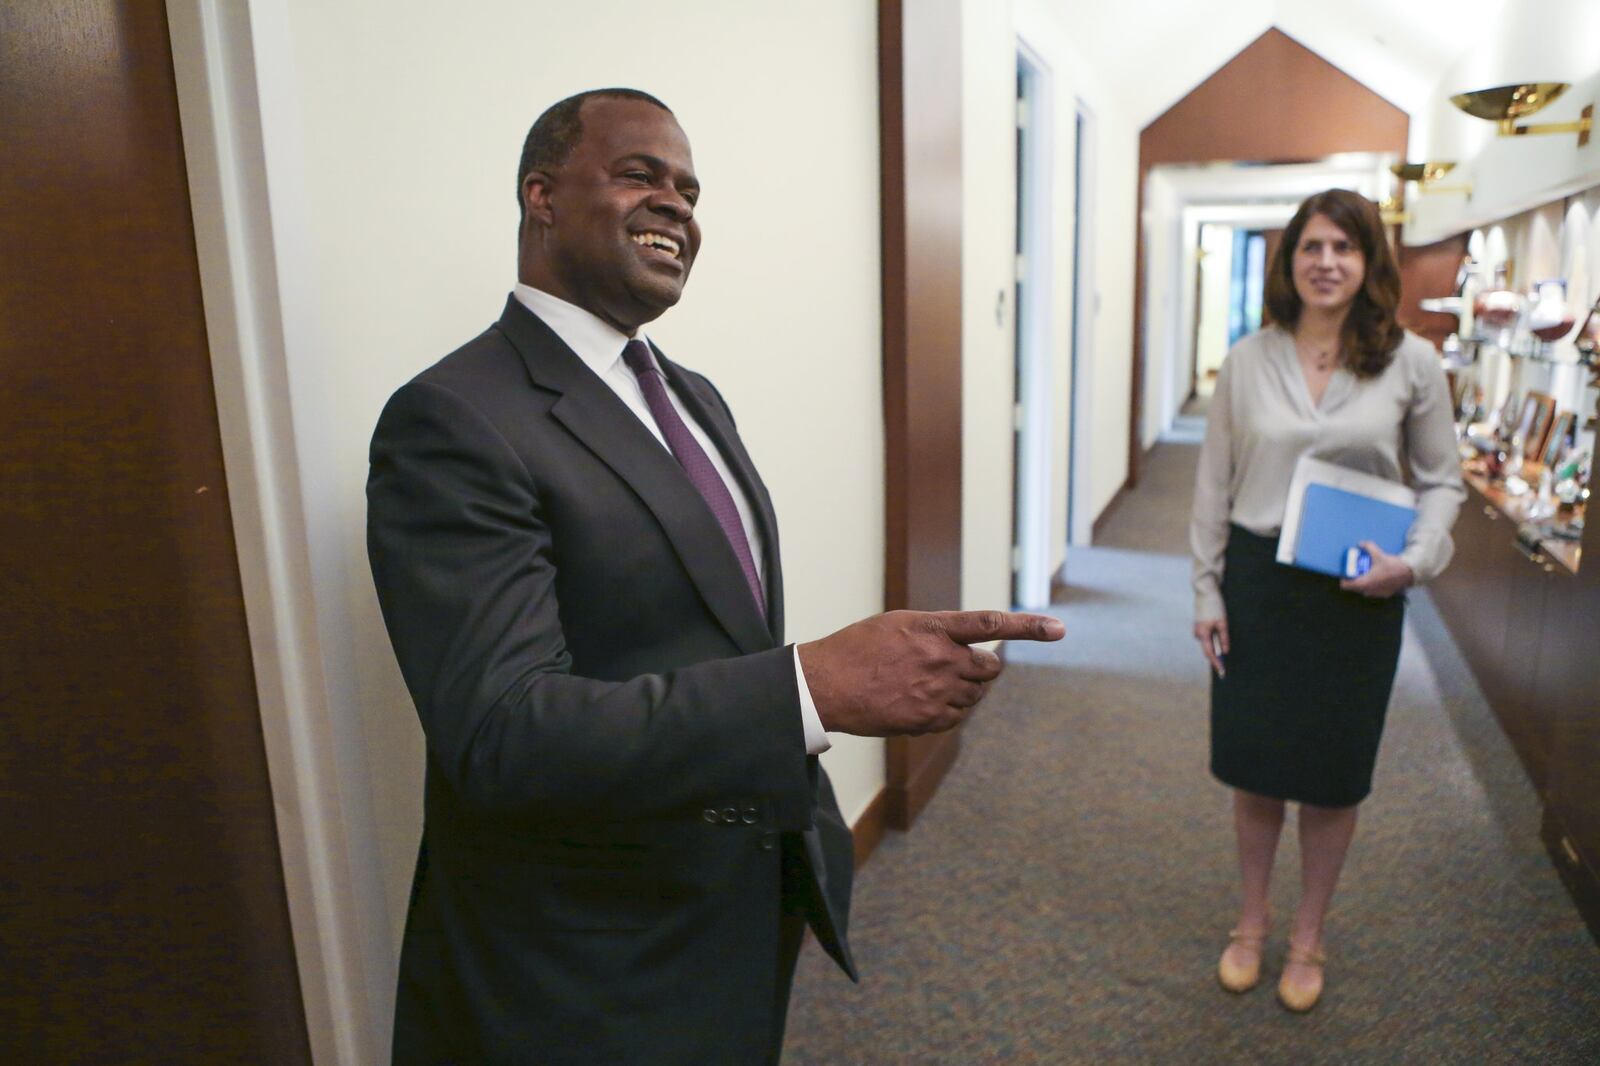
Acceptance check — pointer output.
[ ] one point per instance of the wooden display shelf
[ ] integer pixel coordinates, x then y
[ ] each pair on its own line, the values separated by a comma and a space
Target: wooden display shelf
1565, 553
1527, 633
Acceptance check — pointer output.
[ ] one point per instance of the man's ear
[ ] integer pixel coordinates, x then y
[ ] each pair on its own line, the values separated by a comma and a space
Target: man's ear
536, 189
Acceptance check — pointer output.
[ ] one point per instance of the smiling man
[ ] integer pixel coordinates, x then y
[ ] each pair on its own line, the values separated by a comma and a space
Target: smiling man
626, 829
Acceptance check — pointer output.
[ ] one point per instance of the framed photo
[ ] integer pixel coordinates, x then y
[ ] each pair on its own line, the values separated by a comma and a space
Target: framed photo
1538, 411
1556, 443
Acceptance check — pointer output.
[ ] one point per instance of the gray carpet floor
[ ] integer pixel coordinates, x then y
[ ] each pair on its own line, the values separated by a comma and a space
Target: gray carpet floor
1065, 896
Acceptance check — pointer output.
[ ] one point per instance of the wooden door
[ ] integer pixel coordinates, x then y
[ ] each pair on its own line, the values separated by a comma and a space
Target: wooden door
142, 907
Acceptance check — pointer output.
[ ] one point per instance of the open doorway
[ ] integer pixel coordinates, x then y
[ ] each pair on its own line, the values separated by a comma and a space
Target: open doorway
1230, 294
1224, 200
1032, 430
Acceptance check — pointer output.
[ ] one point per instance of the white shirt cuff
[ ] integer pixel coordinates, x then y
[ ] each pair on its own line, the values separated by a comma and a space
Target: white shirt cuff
816, 738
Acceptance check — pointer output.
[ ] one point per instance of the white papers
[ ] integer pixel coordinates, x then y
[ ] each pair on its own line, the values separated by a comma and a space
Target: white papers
1310, 471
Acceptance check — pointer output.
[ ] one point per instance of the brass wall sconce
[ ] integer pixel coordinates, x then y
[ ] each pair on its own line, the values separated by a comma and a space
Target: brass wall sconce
1505, 104
1426, 173
1427, 176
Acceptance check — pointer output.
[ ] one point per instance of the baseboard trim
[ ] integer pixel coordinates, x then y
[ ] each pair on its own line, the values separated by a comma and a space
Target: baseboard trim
907, 799
1582, 882
1058, 581
870, 826
1099, 525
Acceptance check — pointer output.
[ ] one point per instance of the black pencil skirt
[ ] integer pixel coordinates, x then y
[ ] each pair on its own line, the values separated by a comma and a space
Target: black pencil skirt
1309, 673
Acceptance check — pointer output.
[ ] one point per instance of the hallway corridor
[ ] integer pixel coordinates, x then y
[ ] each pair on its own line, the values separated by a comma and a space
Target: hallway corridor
1066, 895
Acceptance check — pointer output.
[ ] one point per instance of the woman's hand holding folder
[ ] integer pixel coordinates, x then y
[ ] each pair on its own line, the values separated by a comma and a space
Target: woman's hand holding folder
1388, 575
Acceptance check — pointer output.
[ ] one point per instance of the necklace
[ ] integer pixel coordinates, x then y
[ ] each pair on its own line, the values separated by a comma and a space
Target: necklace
1321, 358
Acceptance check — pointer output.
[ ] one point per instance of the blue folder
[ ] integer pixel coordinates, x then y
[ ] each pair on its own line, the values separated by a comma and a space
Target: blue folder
1334, 519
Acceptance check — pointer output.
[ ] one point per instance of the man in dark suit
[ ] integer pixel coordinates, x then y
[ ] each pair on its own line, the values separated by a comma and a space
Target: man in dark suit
626, 829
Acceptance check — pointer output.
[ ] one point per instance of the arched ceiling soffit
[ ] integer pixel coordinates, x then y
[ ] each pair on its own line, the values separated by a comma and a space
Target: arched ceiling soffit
1148, 54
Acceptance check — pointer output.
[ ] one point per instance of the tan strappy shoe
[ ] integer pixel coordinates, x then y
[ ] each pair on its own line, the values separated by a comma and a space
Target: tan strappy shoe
1301, 996
1242, 978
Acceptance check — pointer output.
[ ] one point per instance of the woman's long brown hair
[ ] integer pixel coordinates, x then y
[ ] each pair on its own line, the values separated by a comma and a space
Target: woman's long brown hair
1371, 333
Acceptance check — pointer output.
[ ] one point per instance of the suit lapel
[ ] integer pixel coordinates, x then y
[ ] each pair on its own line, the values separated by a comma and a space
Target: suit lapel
592, 413
708, 411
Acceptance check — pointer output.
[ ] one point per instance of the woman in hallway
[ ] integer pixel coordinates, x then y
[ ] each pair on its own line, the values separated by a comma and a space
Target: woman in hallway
1303, 664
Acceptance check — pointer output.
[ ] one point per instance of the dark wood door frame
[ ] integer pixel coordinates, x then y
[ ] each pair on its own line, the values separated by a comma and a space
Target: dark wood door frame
919, 64
143, 908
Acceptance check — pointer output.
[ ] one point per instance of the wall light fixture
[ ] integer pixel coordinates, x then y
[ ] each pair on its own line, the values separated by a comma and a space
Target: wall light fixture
1505, 104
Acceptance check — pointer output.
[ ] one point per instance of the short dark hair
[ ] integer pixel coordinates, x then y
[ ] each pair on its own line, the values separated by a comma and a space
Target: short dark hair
1371, 331
554, 134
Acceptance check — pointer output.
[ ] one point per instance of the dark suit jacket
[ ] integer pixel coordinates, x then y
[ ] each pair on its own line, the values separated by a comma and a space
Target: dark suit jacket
615, 758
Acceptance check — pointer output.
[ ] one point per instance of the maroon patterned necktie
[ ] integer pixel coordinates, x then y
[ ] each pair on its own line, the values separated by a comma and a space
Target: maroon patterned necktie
702, 474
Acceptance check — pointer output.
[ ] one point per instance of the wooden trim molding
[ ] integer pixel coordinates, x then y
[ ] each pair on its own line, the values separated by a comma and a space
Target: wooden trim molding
919, 68
917, 765
870, 827
230, 68
142, 887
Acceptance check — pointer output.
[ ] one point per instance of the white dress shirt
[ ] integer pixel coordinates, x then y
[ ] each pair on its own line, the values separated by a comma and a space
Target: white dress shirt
600, 347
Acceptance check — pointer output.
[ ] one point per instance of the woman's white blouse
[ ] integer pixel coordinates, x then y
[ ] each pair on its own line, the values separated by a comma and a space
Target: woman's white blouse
1261, 421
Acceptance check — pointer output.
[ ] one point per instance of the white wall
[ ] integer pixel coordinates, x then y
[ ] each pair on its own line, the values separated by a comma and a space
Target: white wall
1216, 284
988, 242
990, 36
1510, 175
1114, 162
1116, 178
390, 134
1053, 28
991, 32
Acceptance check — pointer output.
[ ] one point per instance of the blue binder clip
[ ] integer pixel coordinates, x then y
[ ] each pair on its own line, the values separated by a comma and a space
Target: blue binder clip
1357, 561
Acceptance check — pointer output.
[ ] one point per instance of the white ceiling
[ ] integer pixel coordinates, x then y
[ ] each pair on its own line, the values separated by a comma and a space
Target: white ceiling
1150, 53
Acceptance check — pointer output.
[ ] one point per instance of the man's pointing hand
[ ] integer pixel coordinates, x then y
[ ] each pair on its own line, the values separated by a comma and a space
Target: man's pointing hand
911, 671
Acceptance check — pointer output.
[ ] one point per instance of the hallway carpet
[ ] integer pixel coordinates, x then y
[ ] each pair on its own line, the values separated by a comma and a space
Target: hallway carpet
1065, 896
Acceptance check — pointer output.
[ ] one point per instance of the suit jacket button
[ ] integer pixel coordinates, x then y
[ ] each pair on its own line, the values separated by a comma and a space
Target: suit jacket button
730, 816
750, 816
709, 815
769, 841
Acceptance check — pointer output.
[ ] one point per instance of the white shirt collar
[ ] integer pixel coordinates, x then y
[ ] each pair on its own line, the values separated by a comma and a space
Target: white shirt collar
596, 341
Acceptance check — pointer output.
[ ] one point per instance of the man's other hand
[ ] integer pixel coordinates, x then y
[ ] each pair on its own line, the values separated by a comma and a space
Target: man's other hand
911, 671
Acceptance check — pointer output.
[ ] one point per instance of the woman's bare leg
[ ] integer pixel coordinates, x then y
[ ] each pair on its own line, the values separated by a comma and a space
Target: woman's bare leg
1257, 823
1325, 835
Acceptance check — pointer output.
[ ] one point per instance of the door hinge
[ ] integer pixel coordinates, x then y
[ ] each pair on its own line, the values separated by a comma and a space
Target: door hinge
1016, 558
1022, 267
1019, 417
